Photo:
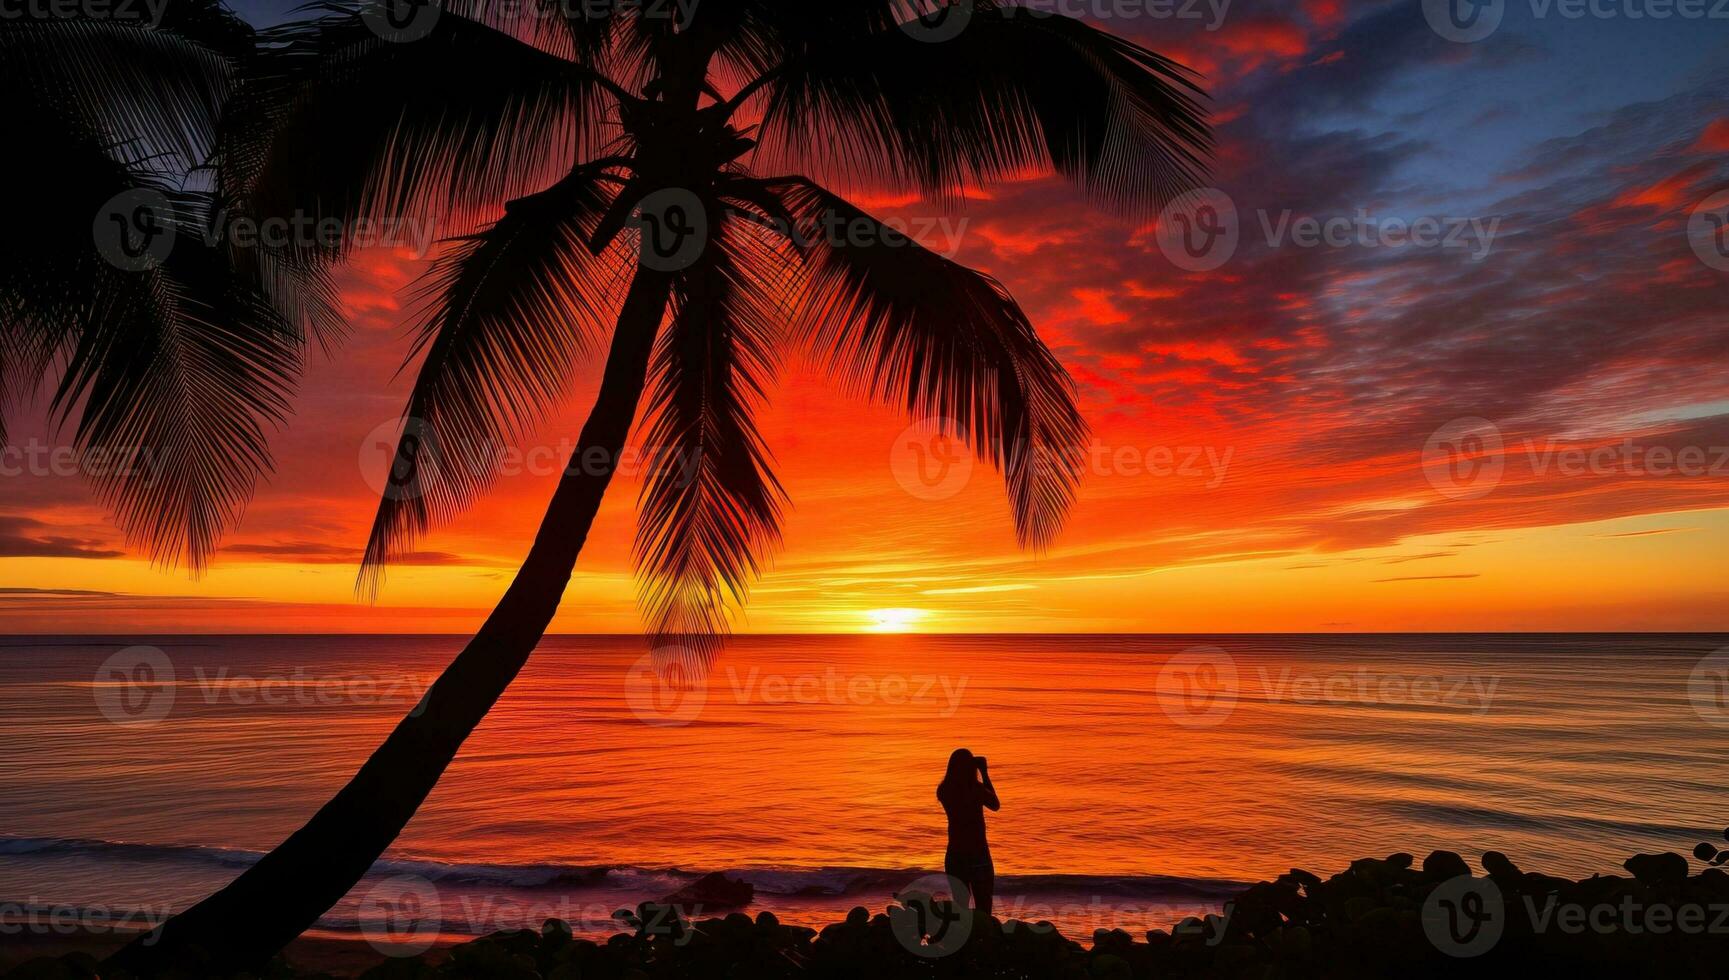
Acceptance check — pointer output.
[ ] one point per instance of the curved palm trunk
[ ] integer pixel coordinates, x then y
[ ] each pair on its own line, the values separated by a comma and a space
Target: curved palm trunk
278, 898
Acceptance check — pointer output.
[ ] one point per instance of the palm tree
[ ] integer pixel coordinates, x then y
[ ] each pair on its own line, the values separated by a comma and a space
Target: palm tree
172, 362
707, 137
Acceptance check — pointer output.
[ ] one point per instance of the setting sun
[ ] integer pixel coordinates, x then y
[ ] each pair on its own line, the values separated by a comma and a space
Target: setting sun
896, 620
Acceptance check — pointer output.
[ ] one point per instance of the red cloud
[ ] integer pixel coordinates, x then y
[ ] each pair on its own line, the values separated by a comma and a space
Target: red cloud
1715, 138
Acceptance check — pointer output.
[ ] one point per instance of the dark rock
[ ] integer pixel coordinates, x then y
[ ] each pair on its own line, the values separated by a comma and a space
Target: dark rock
1445, 865
1667, 868
1499, 866
1363, 923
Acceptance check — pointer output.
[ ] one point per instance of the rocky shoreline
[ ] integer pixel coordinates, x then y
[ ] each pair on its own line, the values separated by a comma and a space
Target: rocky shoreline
1380, 917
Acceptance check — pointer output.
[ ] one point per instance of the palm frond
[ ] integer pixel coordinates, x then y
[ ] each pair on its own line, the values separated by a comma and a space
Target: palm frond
170, 375
157, 91
509, 311
303, 291
902, 324
335, 122
1011, 93
49, 269
174, 377
711, 506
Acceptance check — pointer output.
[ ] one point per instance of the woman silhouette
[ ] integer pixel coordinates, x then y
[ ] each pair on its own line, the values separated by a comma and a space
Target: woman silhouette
964, 793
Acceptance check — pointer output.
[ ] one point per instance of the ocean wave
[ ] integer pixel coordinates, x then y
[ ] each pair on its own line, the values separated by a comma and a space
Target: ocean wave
818, 882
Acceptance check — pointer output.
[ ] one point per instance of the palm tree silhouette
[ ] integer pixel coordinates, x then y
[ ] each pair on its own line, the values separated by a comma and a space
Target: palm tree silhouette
705, 134
171, 350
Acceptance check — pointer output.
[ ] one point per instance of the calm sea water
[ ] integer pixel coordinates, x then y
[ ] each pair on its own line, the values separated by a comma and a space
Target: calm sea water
1142, 777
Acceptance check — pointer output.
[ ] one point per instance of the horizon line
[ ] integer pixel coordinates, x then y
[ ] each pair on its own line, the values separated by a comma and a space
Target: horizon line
910, 633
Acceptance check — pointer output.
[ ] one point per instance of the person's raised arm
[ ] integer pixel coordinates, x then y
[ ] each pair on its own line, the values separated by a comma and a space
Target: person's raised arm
988, 793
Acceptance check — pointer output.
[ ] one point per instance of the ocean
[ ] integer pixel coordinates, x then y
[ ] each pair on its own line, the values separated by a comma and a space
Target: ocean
1143, 778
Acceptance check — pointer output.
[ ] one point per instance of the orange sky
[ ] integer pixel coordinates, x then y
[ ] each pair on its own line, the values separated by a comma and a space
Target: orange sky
1261, 429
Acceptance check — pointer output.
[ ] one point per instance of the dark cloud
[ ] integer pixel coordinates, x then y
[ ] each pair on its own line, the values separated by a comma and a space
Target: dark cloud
26, 537
1426, 578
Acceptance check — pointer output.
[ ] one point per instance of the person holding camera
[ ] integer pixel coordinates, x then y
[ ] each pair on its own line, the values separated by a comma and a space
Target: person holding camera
965, 793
